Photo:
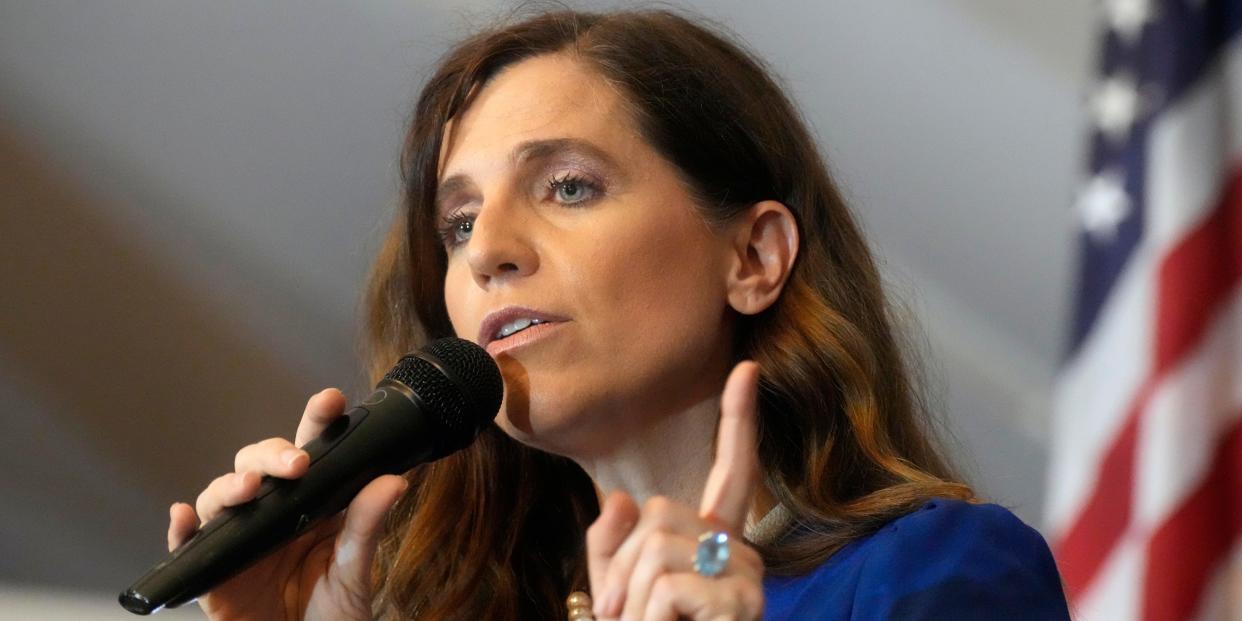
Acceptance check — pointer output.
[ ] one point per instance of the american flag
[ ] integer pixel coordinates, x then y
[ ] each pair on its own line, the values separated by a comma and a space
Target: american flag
1145, 495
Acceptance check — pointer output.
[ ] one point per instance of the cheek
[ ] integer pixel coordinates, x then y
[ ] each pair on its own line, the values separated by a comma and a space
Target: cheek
455, 301
660, 286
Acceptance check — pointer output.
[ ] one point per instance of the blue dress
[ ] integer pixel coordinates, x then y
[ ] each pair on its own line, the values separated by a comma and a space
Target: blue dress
947, 560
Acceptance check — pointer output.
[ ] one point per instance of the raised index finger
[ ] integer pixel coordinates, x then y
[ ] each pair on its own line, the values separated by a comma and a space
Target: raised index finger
731, 484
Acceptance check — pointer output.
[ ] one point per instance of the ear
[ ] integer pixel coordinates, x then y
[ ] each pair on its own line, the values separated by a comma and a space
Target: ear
765, 244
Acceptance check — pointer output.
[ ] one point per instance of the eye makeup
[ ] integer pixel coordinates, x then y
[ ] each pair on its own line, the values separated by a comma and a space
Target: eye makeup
566, 171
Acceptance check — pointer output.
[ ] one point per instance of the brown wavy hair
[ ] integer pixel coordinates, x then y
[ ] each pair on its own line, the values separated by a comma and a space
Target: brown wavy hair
497, 531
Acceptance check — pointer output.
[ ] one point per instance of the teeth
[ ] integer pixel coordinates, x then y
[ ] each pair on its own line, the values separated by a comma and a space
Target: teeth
517, 326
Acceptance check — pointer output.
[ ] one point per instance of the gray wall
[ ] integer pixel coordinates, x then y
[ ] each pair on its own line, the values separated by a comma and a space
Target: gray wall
191, 193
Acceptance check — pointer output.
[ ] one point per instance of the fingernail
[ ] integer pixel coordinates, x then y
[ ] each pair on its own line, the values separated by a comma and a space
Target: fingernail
290, 455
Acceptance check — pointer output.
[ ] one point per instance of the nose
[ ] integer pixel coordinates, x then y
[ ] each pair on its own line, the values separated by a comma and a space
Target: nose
501, 245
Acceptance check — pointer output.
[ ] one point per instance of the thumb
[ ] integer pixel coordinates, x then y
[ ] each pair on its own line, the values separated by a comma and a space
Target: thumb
359, 537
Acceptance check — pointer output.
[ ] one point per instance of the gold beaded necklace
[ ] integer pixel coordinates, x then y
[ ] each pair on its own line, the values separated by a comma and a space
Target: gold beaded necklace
579, 605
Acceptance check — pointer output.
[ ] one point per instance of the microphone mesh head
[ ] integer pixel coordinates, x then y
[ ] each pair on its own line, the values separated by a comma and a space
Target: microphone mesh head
458, 382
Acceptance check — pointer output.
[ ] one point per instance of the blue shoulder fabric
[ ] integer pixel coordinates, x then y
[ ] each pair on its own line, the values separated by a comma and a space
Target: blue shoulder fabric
948, 560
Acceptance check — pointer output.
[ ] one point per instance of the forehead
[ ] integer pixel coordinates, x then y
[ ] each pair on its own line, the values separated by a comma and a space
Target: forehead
549, 96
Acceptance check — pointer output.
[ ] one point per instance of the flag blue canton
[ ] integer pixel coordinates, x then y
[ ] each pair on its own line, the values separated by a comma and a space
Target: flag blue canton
1142, 76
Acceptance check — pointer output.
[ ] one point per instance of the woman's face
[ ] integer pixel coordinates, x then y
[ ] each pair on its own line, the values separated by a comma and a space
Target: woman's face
555, 209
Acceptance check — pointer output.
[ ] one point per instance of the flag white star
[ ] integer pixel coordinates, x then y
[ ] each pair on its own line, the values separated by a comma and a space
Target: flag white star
1127, 17
1115, 106
1103, 204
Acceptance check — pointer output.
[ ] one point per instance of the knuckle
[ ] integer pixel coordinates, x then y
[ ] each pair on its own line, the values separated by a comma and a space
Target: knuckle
662, 591
206, 500
659, 509
218, 484
270, 448
657, 505
260, 455
657, 542
239, 459
272, 443
215, 489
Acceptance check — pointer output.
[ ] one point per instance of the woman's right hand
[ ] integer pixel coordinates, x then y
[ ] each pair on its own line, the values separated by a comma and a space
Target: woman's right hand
323, 574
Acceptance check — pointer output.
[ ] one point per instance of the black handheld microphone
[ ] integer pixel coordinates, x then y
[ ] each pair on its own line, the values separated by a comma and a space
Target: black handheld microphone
432, 403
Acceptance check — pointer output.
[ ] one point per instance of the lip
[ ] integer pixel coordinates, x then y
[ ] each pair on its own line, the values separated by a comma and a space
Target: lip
496, 319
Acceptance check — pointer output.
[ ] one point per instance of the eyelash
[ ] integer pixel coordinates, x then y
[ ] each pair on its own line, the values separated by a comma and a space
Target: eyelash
555, 183
451, 224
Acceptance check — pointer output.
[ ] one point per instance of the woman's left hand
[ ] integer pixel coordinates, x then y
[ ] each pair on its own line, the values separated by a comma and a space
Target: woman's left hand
641, 561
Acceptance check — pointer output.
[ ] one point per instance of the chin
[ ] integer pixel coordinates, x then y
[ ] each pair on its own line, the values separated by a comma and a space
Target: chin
565, 434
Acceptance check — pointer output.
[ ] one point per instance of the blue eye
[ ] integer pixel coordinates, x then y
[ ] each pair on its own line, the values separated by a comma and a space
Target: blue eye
572, 189
455, 229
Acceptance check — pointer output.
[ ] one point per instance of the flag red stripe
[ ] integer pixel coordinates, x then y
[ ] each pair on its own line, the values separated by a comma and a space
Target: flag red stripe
1192, 281
1186, 549
1198, 274
1085, 546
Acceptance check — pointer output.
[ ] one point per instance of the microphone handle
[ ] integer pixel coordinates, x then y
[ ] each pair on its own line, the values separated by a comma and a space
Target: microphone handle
343, 459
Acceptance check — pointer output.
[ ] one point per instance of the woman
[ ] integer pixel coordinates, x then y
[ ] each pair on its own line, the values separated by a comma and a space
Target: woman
628, 214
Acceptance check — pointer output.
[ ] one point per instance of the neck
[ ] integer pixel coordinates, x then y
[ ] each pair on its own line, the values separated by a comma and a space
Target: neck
668, 458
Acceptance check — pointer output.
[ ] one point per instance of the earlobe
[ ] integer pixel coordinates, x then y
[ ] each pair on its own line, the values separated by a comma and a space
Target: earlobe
764, 249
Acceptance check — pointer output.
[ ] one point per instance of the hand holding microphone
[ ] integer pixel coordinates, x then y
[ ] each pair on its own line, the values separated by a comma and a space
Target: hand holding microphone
326, 584
432, 403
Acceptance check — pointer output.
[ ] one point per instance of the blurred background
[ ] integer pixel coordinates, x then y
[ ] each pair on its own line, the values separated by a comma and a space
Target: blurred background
190, 195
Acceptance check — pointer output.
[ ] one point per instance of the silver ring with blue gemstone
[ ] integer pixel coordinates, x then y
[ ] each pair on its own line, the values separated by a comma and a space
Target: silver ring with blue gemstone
712, 553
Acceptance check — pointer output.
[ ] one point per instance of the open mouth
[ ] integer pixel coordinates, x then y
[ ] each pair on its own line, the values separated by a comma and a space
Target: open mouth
513, 326
521, 334
516, 326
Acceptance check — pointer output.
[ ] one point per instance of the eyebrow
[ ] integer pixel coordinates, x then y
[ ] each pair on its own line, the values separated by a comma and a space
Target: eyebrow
544, 149
533, 150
